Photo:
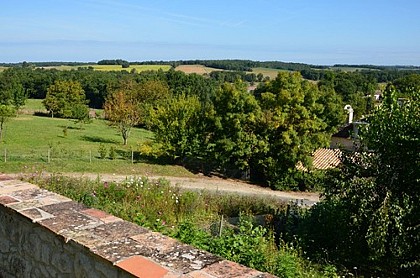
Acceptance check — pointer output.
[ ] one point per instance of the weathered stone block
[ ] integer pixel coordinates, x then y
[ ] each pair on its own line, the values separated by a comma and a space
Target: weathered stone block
45, 253
4, 245
63, 262
32, 245
106, 269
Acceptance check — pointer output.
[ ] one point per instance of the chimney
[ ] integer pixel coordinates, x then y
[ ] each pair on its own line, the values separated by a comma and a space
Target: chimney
349, 110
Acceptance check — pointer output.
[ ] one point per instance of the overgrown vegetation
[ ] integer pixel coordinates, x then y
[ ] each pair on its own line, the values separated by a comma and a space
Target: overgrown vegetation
368, 220
196, 218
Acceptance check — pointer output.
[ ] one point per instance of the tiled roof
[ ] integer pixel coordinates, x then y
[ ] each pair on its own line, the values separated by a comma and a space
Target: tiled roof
324, 159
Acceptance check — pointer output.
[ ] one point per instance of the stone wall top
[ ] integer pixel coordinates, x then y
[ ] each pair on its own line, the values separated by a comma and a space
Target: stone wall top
129, 247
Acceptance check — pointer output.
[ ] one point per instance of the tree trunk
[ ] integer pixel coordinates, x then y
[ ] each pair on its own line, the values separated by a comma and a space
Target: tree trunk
124, 136
125, 132
1, 131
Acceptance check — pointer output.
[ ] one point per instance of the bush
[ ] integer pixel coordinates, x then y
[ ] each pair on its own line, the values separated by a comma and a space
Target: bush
102, 151
112, 153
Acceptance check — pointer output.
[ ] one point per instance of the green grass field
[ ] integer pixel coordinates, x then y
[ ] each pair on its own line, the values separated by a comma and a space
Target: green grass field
272, 73
34, 105
29, 140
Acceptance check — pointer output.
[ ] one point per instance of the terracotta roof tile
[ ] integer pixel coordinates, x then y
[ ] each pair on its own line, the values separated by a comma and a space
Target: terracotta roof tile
324, 159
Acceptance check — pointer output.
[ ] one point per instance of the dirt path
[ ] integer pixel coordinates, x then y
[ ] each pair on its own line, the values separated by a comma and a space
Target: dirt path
212, 184
217, 184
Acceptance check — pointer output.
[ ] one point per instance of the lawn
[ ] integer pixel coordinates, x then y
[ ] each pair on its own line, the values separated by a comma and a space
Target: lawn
33, 105
34, 143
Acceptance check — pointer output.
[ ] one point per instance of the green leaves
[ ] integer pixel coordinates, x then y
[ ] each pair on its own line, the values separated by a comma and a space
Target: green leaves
177, 123
378, 194
66, 99
293, 125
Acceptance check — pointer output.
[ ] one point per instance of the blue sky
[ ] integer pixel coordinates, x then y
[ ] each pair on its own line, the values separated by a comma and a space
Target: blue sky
382, 32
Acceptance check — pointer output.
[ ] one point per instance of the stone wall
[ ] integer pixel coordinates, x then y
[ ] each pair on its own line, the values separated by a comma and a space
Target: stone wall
43, 234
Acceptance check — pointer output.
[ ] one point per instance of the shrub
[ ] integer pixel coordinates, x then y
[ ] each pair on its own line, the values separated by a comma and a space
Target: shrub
102, 151
112, 153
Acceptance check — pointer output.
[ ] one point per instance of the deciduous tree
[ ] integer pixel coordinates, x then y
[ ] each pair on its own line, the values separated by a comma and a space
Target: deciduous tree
292, 127
177, 123
62, 98
234, 124
122, 110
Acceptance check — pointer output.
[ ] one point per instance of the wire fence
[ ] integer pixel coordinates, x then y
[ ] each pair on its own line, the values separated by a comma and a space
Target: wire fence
48, 155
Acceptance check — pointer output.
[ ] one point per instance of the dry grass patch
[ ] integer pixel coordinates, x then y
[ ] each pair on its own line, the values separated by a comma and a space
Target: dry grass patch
198, 69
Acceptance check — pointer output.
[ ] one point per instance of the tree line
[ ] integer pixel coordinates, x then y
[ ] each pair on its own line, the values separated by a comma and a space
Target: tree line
231, 130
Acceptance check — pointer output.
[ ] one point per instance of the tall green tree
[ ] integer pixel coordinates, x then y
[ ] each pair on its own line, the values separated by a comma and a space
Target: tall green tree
11, 90
178, 126
63, 97
292, 126
234, 120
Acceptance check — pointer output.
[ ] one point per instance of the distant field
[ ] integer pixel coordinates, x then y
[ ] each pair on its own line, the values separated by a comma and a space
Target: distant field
2, 68
138, 68
272, 73
198, 69
349, 69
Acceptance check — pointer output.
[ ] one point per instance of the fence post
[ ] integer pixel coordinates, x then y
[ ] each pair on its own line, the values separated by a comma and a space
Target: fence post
221, 226
90, 156
5, 155
132, 157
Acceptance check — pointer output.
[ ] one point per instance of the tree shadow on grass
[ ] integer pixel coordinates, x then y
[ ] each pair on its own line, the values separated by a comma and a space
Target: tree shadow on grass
97, 139
71, 127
